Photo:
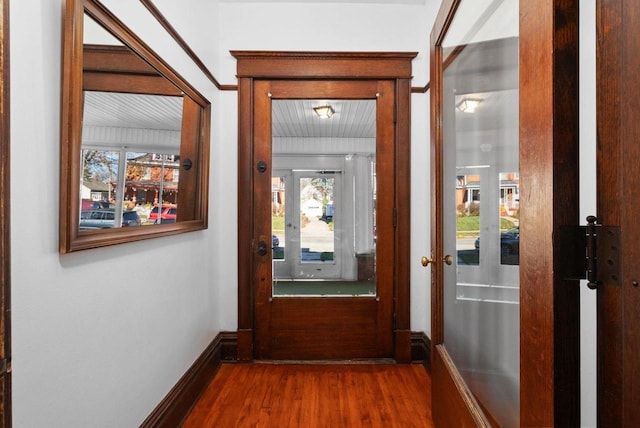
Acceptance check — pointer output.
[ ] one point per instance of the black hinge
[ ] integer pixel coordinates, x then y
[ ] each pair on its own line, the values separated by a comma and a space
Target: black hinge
5, 366
590, 252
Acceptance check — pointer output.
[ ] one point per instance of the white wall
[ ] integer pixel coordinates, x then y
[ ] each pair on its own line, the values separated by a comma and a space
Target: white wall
99, 337
340, 27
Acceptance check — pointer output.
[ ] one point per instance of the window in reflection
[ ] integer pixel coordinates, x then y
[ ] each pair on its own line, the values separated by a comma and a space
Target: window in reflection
278, 207
148, 183
468, 219
509, 218
316, 220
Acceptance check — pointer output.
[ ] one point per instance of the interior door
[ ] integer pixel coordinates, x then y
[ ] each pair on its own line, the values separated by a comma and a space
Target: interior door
477, 201
505, 324
325, 291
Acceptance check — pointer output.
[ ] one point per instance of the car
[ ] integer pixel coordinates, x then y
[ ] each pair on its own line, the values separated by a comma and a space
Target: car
275, 241
105, 219
169, 212
509, 241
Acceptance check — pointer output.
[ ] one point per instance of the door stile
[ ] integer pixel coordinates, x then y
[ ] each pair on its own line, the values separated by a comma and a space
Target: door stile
262, 251
550, 306
245, 221
618, 160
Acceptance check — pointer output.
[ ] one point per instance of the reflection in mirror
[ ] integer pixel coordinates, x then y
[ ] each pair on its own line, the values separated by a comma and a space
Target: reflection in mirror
323, 198
121, 127
134, 137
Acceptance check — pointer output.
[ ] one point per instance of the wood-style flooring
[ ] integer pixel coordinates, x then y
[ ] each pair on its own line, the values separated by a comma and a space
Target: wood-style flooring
315, 395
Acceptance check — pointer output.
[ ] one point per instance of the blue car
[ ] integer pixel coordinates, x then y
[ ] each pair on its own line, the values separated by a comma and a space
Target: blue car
509, 241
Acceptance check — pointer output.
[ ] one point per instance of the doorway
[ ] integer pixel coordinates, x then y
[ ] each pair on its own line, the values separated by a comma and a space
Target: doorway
327, 278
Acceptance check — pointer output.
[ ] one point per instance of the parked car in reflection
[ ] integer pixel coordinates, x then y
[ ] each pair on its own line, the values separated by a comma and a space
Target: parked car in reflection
105, 219
509, 241
169, 212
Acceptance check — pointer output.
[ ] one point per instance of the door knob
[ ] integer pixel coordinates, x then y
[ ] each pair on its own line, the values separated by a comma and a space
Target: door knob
448, 260
262, 248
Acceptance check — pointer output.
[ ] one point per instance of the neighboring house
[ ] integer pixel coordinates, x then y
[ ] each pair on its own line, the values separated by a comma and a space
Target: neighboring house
95, 191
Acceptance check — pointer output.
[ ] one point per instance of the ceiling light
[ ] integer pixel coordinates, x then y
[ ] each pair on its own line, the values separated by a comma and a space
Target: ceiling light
324, 112
469, 105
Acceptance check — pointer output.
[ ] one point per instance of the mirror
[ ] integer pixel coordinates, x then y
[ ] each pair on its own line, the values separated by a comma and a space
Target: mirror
135, 137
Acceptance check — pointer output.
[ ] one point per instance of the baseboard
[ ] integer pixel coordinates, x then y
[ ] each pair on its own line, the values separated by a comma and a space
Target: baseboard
421, 349
176, 405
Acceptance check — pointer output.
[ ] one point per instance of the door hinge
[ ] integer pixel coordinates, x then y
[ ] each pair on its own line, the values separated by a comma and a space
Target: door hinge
590, 252
5, 366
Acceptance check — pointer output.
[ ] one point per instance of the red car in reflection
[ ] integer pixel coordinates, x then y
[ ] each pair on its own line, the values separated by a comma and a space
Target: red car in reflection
168, 214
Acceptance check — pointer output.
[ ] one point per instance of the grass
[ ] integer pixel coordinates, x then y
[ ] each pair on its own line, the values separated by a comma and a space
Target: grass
472, 223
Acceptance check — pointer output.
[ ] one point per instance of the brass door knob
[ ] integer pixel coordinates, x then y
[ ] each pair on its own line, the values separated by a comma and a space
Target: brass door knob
448, 259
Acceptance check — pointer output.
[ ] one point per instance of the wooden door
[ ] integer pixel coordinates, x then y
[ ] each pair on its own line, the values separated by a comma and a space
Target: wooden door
618, 179
371, 325
323, 325
505, 346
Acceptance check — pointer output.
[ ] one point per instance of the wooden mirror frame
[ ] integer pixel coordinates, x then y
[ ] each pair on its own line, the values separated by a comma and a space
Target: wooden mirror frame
195, 134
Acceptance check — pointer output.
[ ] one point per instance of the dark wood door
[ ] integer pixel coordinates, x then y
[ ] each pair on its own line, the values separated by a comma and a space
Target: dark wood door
504, 181
294, 325
618, 180
365, 326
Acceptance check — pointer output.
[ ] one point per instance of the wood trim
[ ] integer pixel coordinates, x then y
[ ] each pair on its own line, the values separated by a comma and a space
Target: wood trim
402, 256
176, 405
421, 349
253, 65
245, 221
324, 65
5, 224
421, 90
463, 409
181, 42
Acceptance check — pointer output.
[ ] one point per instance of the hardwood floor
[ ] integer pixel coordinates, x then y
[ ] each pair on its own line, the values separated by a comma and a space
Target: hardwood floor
315, 395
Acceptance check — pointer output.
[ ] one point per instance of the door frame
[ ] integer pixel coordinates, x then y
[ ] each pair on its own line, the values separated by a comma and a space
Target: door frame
617, 157
269, 65
549, 305
5, 232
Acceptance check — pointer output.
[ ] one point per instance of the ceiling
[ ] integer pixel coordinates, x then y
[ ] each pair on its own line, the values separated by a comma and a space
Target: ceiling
296, 118
291, 118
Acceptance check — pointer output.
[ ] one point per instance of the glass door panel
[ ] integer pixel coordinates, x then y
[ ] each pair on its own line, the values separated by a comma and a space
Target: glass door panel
323, 198
481, 204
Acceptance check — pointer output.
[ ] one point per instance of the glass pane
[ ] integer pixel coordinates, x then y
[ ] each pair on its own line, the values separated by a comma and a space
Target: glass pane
278, 207
316, 220
323, 198
480, 132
